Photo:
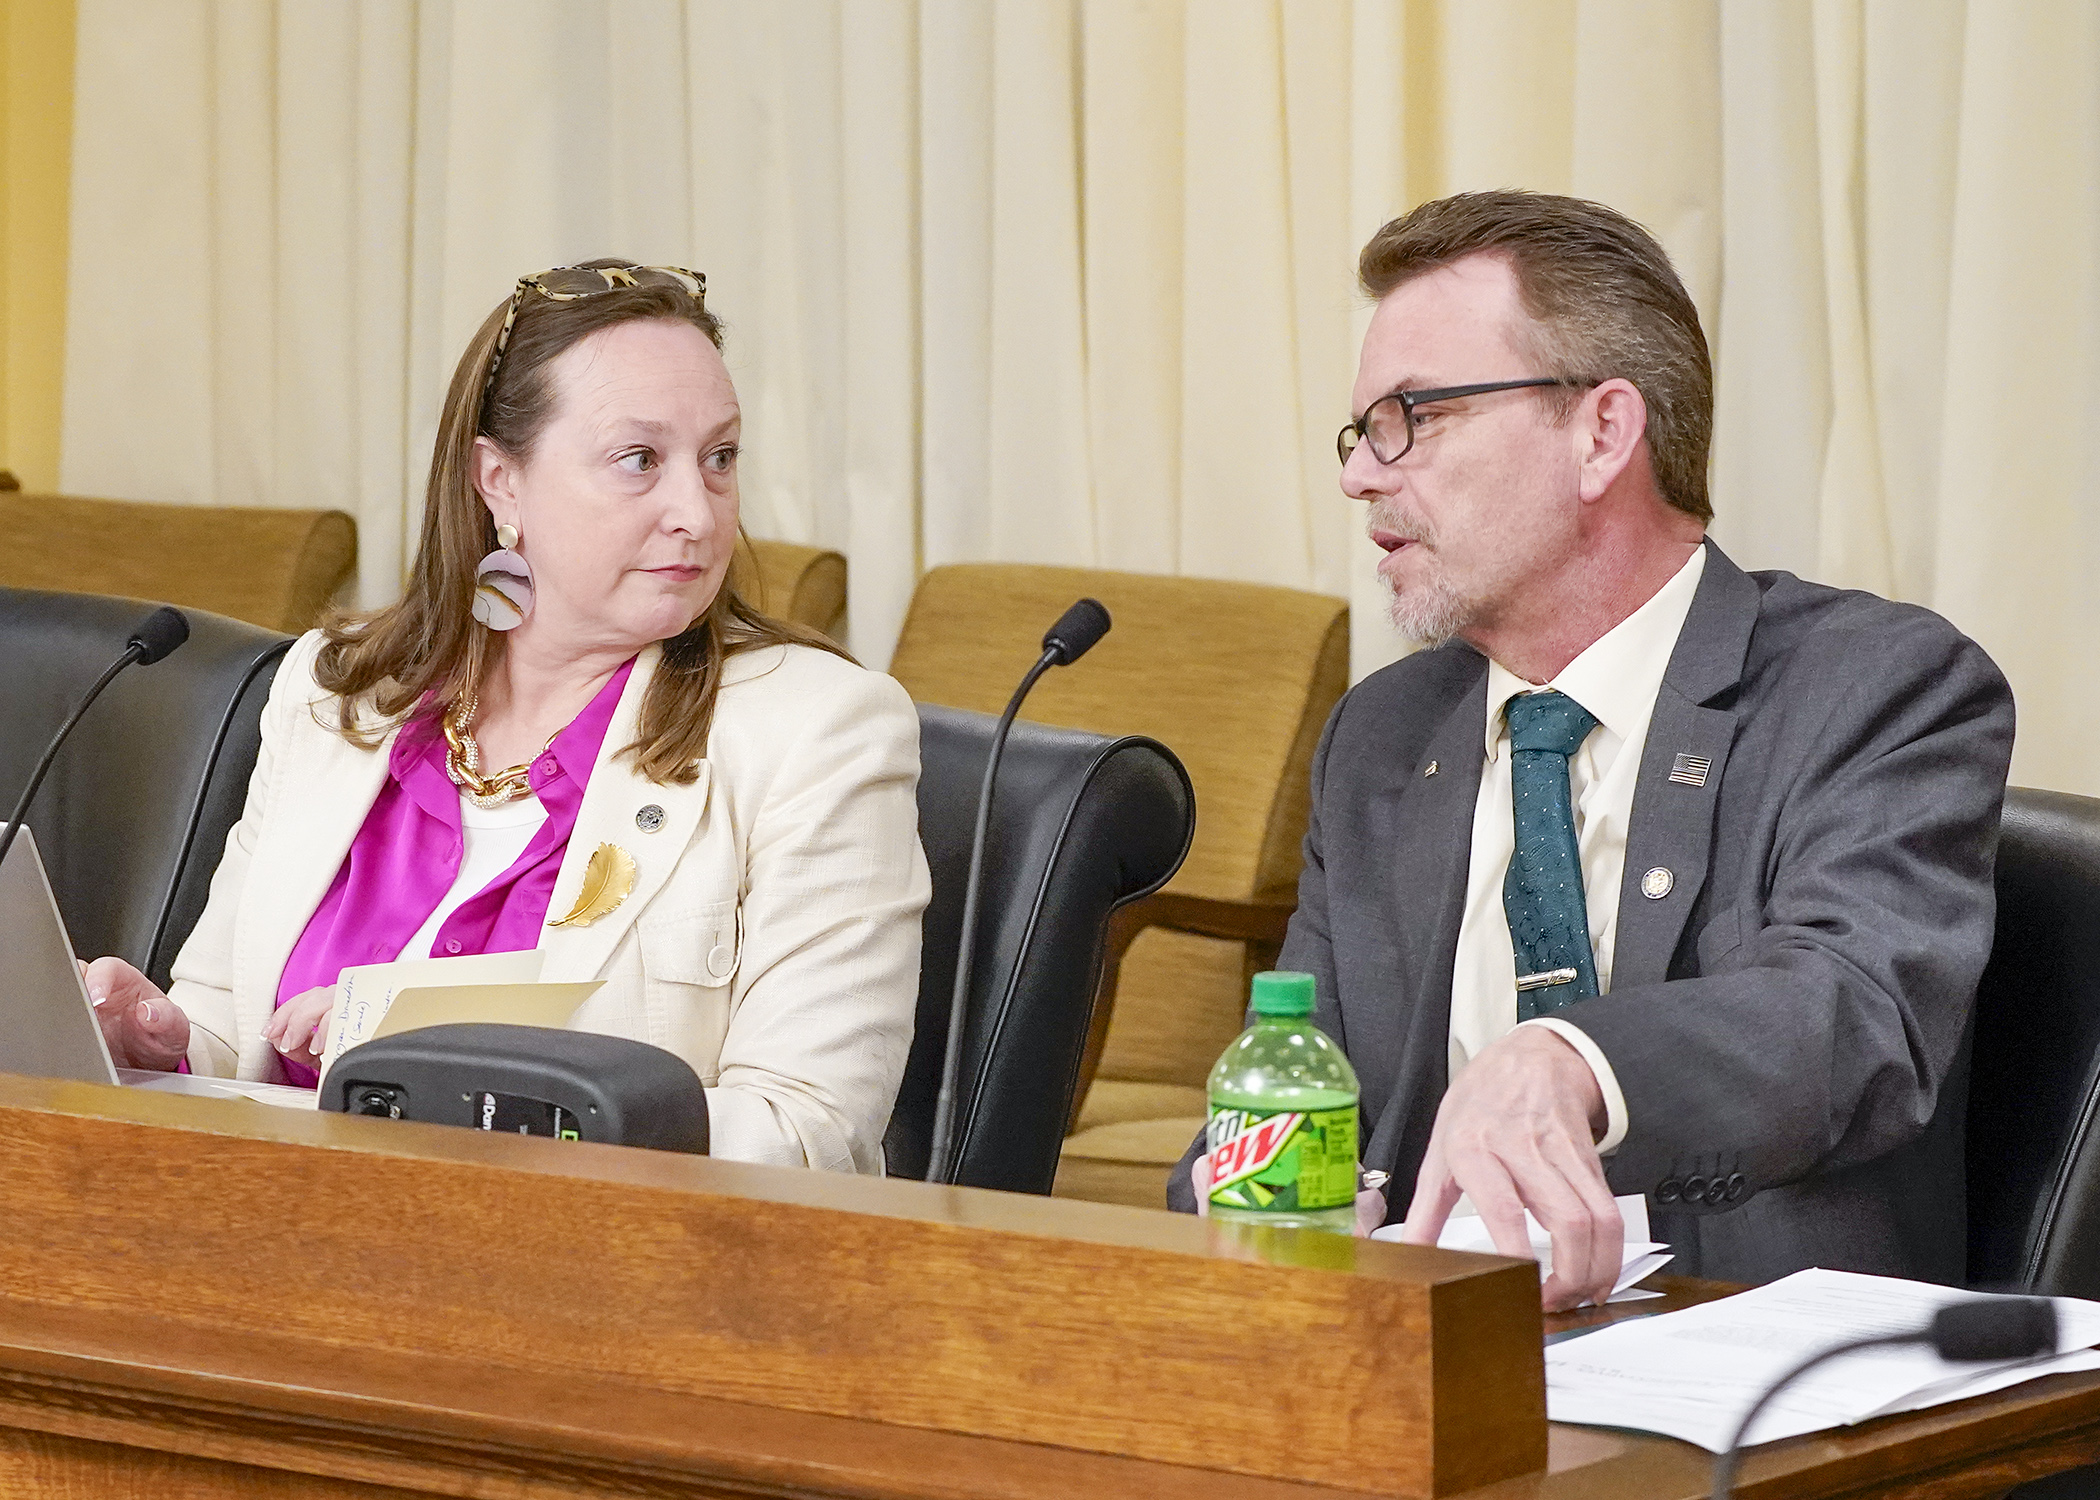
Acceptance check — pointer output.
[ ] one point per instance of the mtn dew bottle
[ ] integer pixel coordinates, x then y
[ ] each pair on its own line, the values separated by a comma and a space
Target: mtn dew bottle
1282, 1134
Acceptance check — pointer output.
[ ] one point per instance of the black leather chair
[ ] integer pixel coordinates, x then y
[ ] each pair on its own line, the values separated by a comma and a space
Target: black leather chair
134, 815
2034, 1087
1081, 825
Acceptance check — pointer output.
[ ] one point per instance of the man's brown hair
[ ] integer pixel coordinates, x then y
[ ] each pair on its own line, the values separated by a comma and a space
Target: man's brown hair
1604, 300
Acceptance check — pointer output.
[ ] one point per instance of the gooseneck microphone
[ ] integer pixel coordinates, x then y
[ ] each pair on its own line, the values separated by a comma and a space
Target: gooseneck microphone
1989, 1328
158, 634
1075, 633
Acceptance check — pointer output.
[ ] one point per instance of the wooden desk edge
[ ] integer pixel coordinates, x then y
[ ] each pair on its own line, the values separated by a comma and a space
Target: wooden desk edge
346, 1413
964, 1208
350, 1414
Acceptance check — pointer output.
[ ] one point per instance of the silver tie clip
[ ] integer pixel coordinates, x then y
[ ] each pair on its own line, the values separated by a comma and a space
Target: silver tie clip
1545, 977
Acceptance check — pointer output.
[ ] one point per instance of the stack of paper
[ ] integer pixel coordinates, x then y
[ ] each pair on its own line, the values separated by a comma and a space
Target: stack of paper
281, 1094
1693, 1374
376, 1000
1465, 1230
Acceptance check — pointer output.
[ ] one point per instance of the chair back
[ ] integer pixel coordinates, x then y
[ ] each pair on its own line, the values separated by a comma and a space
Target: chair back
273, 568
134, 815
792, 582
1237, 677
1081, 824
2034, 1089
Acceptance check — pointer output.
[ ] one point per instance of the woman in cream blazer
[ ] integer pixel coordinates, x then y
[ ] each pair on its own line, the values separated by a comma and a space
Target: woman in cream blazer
771, 938
771, 934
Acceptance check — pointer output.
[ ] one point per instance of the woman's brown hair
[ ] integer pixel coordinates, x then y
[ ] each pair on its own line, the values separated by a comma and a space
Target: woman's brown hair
381, 664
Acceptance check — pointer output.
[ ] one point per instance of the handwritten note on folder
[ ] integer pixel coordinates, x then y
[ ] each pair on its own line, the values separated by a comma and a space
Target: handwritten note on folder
375, 1000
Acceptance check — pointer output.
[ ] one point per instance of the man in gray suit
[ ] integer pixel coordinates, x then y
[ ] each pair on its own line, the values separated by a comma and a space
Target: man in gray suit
1653, 876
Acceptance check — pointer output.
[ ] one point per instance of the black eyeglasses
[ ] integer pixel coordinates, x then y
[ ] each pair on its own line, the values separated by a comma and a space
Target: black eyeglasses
1388, 424
573, 284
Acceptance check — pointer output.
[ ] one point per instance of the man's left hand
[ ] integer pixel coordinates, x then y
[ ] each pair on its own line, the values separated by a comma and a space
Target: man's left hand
1517, 1130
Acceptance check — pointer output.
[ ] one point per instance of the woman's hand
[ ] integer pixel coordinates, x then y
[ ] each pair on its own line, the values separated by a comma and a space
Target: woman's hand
143, 1027
295, 1028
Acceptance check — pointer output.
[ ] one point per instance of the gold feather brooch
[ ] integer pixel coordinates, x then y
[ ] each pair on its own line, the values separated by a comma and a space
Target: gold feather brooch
606, 881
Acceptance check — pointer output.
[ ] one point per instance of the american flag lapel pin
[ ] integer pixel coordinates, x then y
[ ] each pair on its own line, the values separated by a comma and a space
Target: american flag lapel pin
1690, 770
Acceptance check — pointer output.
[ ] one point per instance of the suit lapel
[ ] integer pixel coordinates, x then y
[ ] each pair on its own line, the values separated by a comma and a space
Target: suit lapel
612, 813
1669, 837
1426, 825
294, 869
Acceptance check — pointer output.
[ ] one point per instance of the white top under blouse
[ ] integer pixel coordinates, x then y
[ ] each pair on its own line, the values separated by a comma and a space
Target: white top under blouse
494, 838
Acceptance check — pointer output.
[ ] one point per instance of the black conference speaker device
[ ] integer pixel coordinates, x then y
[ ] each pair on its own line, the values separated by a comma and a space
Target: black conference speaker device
526, 1080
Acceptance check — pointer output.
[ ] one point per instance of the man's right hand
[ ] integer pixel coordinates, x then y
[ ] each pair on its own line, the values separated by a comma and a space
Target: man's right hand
1515, 1131
143, 1027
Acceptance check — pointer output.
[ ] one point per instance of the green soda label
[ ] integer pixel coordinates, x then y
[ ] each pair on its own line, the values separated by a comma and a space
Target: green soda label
1282, 1161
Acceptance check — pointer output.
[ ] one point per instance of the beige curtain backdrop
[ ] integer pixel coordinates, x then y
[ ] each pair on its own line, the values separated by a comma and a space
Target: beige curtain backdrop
1070, 280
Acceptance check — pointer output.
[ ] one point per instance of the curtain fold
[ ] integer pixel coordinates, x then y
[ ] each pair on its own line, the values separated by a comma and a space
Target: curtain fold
36, 114
1071, 280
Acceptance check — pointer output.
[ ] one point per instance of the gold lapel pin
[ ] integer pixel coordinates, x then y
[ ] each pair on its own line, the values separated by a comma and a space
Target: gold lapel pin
606, 881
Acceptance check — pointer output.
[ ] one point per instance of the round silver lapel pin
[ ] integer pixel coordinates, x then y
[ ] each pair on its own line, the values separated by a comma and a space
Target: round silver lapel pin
1656, 883
649, 819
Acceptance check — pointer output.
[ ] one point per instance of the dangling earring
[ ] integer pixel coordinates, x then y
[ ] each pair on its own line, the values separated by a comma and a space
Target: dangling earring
503, 584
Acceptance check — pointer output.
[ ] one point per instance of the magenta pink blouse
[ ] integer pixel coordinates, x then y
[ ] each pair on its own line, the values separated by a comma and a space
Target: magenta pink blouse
406, 857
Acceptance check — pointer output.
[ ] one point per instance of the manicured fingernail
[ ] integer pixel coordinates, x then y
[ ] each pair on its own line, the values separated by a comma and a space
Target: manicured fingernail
98, 999
146, 1011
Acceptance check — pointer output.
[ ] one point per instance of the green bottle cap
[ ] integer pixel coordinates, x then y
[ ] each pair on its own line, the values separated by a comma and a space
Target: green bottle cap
1279, 992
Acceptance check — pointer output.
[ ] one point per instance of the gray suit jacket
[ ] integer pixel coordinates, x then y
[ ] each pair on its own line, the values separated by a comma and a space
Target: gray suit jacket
1789, 1023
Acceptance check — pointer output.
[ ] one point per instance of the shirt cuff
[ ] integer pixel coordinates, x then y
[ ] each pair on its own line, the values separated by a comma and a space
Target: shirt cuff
1607, 1081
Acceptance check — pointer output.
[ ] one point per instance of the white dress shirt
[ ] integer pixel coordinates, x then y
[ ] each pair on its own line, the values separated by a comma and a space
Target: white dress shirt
1616, 679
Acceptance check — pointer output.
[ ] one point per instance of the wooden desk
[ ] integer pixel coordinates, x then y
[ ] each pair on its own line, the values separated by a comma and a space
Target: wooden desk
223, 1297
267, 1343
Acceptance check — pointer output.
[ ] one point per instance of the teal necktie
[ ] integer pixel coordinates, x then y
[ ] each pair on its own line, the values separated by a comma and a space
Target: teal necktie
1549, 924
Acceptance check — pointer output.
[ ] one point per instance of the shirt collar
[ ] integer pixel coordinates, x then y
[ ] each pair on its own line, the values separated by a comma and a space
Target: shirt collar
1618, 675
575, 749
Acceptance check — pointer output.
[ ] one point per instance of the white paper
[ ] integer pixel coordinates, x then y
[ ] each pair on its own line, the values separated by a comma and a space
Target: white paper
1693, 1374
1466, 1230
283, 1095
363, 992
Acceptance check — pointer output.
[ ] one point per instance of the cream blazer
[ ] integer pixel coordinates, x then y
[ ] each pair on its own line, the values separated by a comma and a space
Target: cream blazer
771, 938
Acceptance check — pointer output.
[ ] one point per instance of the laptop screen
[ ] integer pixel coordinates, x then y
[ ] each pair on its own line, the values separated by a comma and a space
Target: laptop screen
47, 1023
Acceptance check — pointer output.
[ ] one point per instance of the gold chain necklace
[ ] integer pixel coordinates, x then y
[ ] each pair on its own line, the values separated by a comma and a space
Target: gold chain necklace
463, 760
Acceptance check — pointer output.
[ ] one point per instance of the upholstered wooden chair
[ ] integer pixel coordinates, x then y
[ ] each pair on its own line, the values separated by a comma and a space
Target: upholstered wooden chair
1237, 679
274, 568
791, 582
